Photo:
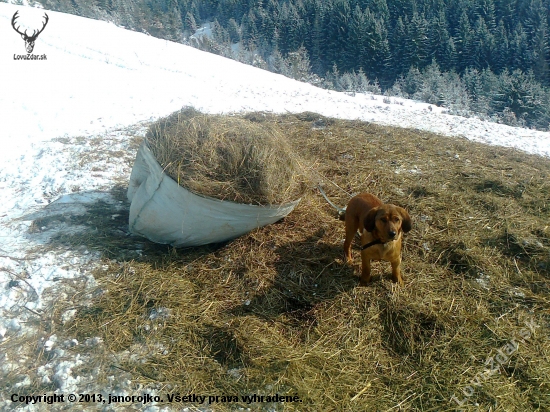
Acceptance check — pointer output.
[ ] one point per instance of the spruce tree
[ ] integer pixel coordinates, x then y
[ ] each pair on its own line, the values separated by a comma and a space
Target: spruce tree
401, 59
502, 49
418, 48
464, 41
439, 38
483, 46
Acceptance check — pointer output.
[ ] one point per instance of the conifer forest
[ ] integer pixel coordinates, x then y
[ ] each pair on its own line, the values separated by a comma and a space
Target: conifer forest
484, 57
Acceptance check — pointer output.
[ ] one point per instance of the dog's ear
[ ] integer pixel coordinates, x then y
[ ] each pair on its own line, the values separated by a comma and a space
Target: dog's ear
406, 224
370, 219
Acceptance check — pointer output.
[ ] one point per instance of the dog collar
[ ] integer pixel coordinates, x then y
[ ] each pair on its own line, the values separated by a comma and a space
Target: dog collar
374, 242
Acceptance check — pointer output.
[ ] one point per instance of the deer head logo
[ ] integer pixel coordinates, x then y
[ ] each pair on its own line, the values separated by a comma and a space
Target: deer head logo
29, 40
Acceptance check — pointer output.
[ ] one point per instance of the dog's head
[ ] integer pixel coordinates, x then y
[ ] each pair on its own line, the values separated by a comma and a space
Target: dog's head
387, 222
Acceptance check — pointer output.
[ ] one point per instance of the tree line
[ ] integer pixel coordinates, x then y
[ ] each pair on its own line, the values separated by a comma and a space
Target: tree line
495, 53
385, 38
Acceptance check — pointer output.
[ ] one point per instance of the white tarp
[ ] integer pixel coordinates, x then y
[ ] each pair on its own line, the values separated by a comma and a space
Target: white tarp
164, 212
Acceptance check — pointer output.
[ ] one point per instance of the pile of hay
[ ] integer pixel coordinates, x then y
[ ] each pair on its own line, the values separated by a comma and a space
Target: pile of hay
227, 157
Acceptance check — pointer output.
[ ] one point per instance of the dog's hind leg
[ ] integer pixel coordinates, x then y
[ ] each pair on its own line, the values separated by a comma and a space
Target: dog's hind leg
351, 229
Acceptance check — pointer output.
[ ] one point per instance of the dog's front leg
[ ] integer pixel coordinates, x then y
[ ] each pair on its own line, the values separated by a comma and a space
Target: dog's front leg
396, 271
365, 271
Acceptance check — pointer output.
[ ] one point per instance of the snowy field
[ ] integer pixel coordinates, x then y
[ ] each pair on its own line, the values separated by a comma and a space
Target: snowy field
66, 130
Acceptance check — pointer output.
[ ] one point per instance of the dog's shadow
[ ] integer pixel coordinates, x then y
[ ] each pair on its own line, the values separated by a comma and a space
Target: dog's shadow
308, 272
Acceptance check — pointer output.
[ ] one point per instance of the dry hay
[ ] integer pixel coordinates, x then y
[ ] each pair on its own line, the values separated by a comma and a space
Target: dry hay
278, 311
227, 157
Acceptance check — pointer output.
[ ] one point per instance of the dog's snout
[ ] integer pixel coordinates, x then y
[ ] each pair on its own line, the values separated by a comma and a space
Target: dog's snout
392, 233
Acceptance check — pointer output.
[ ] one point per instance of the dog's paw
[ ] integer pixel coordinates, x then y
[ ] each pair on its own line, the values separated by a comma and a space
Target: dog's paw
398, 281
364, 282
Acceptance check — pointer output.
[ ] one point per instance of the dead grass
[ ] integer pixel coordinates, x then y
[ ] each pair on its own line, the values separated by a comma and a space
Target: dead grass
277, 310
228, 157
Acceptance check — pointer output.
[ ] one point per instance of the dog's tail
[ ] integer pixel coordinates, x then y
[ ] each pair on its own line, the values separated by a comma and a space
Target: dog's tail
341, 211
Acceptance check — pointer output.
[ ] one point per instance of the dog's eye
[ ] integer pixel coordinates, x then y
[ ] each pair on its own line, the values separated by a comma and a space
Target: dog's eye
396, 219
384, 219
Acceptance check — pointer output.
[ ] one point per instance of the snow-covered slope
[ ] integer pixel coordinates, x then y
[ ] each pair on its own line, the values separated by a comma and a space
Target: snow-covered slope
65, 120
97, 76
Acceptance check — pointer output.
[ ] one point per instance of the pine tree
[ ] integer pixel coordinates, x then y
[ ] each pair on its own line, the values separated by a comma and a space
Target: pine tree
298, 62
234, 31
336, 30
474, 84
418, 48
519, 45
333, 79
524, 97
464, 44
380, 50
297, 29
483, 46
278, 64
355, 53
506, 12
219, 34
439, 39
401, 8
380, 10
287, 29
412, 82
502, 49
249, 30
453, 94
400, 61
317, 41
429, 88
190, 23
362, 82
536, 27
485, 9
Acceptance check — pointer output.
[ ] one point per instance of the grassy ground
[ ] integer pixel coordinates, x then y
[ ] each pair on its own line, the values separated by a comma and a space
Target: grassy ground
278, 312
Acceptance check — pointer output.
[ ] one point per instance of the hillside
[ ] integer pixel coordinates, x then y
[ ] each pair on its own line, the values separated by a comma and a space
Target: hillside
486, 58
87, 308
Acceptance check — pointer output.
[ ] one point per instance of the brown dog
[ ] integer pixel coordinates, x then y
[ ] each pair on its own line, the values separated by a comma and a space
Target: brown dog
381, 227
